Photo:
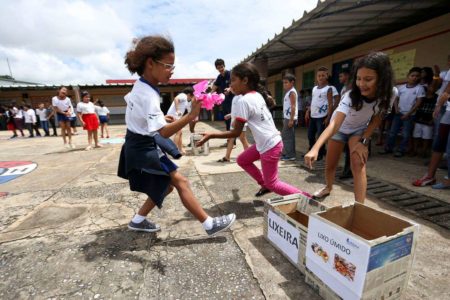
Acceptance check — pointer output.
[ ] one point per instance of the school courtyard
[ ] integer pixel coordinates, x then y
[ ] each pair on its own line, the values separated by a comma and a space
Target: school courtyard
63, 225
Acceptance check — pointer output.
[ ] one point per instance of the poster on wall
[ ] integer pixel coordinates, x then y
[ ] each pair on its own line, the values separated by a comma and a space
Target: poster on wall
401, 63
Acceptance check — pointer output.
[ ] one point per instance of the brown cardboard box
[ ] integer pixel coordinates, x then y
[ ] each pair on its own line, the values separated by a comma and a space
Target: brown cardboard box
286, 225
360, 252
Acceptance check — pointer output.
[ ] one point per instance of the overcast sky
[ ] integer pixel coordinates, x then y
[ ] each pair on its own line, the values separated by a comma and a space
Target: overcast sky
63, 42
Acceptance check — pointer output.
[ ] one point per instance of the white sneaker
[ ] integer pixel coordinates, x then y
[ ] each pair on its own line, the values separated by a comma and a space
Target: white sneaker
88, 148
72, 146
67, 146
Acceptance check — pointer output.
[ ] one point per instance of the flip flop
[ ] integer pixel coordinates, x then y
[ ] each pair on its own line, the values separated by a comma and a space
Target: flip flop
321, 194
262, 192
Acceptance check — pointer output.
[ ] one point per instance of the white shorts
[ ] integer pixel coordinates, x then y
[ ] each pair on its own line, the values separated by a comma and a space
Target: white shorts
422, 131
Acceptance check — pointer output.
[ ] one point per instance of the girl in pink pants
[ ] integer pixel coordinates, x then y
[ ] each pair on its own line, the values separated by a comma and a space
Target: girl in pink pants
250, 107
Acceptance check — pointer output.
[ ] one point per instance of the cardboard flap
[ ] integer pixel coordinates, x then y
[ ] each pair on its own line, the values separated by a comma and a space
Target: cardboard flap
365, 221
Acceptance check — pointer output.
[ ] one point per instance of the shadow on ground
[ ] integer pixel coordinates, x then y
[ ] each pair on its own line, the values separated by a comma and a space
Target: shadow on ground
294, 286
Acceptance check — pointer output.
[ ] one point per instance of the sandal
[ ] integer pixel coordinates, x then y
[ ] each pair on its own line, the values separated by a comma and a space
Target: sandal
262, 192
223, 160
321, 194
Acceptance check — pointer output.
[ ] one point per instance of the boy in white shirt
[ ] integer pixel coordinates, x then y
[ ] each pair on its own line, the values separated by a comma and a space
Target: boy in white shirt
410, 96
30, 121
42, 113
290, 116
321, 108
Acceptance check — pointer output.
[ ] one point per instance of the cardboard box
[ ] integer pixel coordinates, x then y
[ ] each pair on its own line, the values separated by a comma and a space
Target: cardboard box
360, 252
286, 225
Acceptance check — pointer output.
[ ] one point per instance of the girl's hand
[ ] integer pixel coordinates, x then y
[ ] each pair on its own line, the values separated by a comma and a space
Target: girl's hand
310, 158
404, 117
169, 119
206, 137
291, 123
362, 152
227, 117
195, 108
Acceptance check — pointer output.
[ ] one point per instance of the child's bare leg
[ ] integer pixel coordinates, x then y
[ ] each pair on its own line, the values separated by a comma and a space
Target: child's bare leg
187, 196
229, 148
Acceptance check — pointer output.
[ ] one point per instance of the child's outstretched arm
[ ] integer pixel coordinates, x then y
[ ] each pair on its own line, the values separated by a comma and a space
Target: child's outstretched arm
172, 128
332, 128
238, 126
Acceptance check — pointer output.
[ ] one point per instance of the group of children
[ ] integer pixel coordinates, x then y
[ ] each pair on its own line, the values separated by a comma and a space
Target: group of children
63, 112
349, 119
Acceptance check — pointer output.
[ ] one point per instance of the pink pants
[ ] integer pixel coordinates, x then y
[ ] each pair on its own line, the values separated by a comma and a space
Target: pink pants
269, 162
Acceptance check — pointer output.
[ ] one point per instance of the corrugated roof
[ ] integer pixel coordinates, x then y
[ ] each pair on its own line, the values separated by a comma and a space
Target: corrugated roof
336, 25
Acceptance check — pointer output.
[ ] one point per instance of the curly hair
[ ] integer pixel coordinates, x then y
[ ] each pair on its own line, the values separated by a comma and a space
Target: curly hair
154, 47
379, 62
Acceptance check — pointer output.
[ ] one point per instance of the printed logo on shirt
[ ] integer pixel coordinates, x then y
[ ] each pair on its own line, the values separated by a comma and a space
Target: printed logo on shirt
10, 170
323, 108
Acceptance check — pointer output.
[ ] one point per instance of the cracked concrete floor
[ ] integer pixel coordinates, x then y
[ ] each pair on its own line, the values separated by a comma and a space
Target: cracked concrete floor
63, 232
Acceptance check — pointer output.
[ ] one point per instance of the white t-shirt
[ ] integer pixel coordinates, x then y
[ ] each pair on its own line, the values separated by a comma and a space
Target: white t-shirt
408, 96
445, 82
182, 105
42, 113
252, 108
287, 104
445, 76
18, 113
319, 102
102, 111
143, 114
86, 108
358, 120
63, 105
30, 116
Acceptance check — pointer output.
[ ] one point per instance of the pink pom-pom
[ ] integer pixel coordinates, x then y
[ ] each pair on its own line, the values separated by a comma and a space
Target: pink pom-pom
208, 100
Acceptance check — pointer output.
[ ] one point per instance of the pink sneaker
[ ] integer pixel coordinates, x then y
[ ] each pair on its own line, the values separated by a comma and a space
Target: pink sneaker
425, 180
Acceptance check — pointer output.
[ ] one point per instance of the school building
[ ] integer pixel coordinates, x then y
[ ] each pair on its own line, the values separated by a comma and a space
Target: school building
335, 33
111, 93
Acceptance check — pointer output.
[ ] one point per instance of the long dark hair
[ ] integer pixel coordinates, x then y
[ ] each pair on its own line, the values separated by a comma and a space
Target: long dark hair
249, 70
379, 62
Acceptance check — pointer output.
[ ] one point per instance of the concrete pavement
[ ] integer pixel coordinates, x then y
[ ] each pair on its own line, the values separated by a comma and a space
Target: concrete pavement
63, 229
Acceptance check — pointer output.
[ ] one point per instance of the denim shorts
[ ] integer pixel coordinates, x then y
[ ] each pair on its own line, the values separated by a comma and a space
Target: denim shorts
344, 137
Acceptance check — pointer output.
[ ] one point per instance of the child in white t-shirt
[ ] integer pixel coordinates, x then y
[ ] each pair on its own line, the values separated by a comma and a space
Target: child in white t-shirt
63, 109
89, 120
142, 161
321, 109
358, 114
177, 109
410, 96
103, 115
31, 121
42, 113
251, 108
290, 116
